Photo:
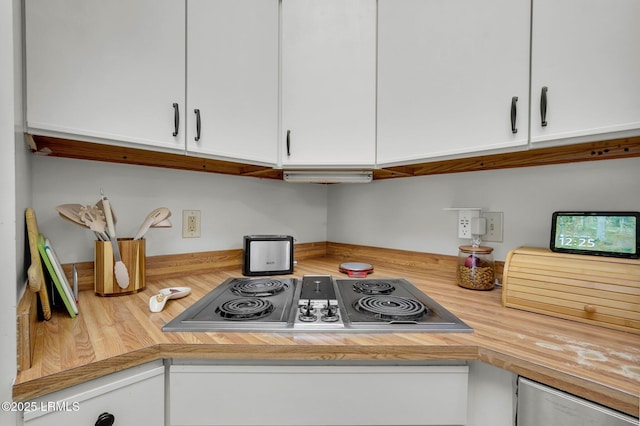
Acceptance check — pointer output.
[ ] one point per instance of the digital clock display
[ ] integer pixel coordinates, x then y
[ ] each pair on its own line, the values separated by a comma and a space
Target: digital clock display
597, 233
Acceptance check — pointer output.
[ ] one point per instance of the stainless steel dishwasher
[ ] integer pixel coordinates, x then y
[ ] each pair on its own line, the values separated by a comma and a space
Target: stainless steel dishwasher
540, 405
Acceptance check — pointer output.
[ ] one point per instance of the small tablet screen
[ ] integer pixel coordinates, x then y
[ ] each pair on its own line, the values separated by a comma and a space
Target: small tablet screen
613, 234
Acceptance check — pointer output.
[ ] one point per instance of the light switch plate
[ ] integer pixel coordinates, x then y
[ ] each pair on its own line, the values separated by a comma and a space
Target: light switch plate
494, 226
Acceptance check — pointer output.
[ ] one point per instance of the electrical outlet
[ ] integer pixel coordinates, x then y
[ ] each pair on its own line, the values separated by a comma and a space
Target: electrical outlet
190, 223
464, 222
494, 226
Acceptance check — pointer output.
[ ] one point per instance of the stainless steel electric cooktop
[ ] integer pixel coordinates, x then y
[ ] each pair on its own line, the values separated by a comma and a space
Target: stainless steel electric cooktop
317, 303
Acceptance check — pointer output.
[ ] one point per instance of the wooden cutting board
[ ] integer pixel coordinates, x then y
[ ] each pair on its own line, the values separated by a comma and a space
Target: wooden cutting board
26, 320
35, 273
27, 309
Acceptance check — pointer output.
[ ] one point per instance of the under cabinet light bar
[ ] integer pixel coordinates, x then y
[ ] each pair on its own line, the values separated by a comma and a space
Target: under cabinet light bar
328, 176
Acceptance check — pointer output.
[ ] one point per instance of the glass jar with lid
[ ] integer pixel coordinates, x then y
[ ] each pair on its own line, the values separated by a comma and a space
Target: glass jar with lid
476, 268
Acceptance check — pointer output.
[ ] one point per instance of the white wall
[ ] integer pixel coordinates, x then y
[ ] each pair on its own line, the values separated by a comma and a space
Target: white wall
398, 213
14, 191
408, 213
230, 206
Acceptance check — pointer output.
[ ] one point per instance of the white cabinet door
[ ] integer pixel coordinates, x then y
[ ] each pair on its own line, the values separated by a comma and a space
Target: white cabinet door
328, 82
318, 395
448, 73
133, 397
232, 79
110, 70
492, 396
587, 56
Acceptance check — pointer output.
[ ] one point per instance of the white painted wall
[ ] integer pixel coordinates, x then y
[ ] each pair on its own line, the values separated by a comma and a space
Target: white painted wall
230, 206
14, 184
408, 213
399, 213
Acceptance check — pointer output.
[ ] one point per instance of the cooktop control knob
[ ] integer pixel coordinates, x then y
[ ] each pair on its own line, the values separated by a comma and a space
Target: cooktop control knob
306, 313
330, 312
318, 304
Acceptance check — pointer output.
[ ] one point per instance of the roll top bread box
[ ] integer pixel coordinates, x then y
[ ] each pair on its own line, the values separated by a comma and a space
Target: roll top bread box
598, 290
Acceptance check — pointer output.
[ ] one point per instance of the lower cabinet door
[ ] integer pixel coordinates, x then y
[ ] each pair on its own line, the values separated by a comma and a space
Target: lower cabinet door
133, 397
318, 395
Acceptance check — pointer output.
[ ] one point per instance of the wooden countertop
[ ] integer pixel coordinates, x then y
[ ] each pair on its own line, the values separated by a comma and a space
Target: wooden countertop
115, 333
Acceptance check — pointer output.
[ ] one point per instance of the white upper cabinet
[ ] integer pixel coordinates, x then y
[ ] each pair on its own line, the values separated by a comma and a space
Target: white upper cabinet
328, 83
587, 56
232, 79
110, 70
451, 74
333, 83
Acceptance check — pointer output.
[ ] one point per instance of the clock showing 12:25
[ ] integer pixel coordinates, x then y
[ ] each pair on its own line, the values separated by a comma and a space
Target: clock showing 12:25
573, 241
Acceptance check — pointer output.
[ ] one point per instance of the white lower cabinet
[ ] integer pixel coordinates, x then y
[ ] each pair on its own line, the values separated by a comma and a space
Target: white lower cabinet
133, 397
492, 395
201, 394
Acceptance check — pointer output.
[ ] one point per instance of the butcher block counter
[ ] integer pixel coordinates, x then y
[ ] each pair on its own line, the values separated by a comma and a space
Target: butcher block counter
114, 333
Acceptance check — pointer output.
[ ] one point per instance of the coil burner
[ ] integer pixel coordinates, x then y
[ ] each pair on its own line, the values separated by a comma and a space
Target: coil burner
262, 287
391, 308
243, 309
372, 287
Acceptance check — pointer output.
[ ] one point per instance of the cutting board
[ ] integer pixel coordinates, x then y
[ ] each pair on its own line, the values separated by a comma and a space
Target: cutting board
35, 273
26, 320
27, 309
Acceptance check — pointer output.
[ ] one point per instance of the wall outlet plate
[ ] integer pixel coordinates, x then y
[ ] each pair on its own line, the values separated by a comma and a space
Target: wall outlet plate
464, 222
190, 223
494, 226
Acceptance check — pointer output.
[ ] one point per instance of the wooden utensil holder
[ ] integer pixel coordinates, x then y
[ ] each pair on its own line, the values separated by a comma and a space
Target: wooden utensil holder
134, 257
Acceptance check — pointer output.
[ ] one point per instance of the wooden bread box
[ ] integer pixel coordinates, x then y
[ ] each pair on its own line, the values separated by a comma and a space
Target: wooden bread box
598, 290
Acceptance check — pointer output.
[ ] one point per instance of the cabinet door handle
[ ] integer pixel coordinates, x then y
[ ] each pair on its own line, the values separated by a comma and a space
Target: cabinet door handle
514, 114
105, 419
288, 143
198, 124
176, 119
543, 106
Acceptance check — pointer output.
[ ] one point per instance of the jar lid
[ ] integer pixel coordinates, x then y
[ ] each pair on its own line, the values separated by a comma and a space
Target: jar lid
480, 249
